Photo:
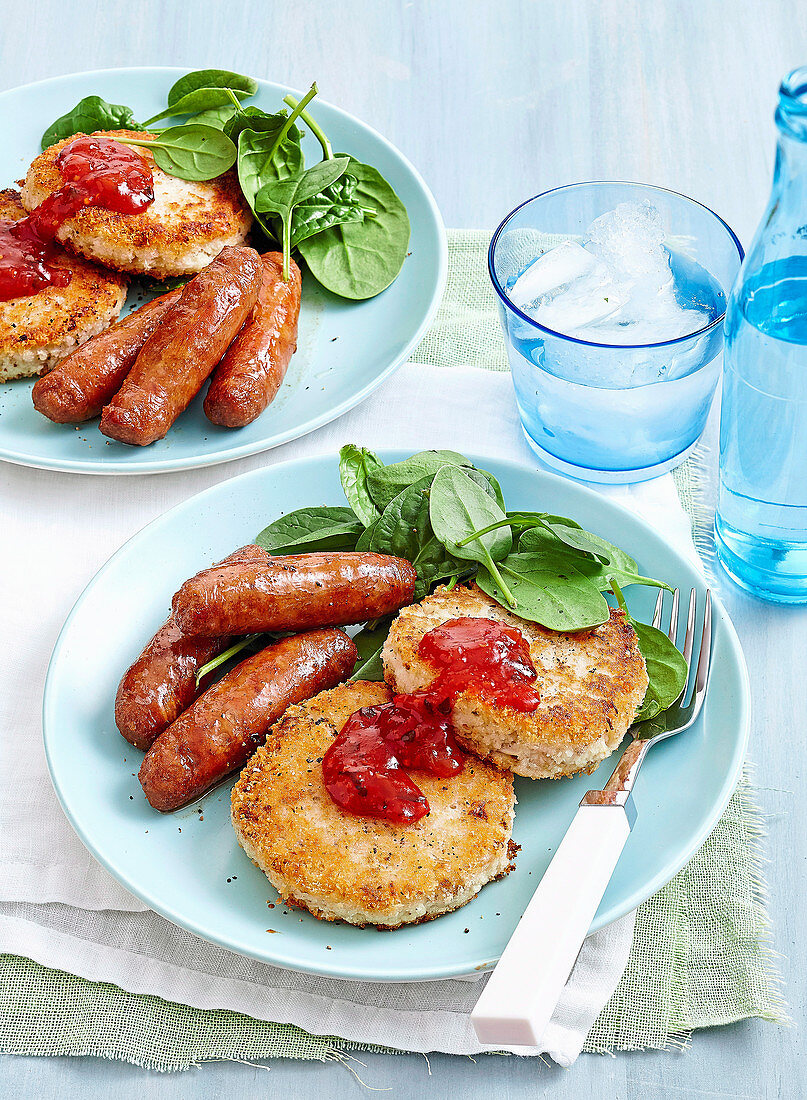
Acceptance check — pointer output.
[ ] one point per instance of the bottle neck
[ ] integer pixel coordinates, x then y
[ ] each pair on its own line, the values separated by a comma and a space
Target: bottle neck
790, 168
790, 171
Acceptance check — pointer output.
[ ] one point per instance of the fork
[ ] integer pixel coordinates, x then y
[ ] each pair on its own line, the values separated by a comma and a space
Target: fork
521, 994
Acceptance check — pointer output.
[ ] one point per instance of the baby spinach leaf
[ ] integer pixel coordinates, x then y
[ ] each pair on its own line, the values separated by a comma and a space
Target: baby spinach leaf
309, 529
366, 537
358, 260
89, 115
404, 530
354, 465
549, 590
666, 670
489, 484
571, 534
387, 482
217, 117
620, 566
200, 99
553, 519
578, 539
191, 152
458, 507
242, 86
370, 643
281, 196
253, 118
271, 152
259, 160
645, 729
329, 208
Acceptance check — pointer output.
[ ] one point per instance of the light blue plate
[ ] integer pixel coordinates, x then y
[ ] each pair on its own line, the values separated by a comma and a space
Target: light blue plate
193, 872
345, 349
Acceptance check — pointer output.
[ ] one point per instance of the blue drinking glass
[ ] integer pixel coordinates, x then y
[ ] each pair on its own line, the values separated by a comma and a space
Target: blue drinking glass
602, 412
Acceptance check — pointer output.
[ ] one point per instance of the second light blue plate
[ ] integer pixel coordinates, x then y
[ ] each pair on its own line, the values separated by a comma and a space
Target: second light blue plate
188, 866
345, 349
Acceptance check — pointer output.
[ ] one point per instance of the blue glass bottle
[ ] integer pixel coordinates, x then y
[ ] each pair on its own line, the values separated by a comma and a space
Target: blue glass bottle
761, 523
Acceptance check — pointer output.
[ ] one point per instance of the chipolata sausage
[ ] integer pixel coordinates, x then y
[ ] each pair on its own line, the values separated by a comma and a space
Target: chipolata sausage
161, 683
247, 379
224, 727
294, 592
189, 342
87, 379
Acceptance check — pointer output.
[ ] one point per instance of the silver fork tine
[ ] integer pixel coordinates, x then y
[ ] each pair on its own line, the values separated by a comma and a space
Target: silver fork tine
689, 637
689, 642
657, 612
702, 674
671, 633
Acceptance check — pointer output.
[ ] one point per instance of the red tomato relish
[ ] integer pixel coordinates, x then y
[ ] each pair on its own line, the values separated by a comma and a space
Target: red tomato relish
363, 768
98, 172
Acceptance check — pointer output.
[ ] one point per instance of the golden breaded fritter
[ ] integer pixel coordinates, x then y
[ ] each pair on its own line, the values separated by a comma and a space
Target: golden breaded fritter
590, 681
40, 329
185, 227
358, 869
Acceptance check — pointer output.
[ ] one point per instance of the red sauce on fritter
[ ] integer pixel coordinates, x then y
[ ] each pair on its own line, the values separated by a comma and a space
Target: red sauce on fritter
98, 172
485, 655
363, 768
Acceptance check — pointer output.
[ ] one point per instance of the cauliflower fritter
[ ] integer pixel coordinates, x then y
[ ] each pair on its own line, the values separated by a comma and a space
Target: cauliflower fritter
185, 227
590, 681
357, 869
40, 329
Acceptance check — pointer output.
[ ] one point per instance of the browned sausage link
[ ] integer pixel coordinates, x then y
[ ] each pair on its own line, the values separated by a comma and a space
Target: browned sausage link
223, 728
177, 358
247, 379
161, 683
83, 382
296, 592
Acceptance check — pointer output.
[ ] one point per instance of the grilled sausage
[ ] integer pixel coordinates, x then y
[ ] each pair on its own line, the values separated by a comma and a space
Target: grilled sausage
224, 727
295, 592
247, 379
84, 381
176, 359
161, 683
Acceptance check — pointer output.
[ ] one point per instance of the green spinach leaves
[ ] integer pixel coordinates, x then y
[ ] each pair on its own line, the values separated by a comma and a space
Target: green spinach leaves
342, 216
447, 517
310, 529
281, 196
359, 257
90, 115
190, 152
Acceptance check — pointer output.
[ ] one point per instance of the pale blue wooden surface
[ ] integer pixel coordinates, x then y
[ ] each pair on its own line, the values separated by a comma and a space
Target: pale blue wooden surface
494, 102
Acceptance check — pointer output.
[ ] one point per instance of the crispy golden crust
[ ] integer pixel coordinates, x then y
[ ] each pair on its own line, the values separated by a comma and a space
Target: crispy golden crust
338, 866
185, 227
591, 683
38, 330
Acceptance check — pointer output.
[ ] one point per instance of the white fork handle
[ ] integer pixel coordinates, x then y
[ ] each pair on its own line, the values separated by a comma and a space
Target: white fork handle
525, 987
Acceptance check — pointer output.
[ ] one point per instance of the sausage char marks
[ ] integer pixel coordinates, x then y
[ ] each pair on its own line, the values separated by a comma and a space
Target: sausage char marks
40, 329
591, 683
357, 869
185, 227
